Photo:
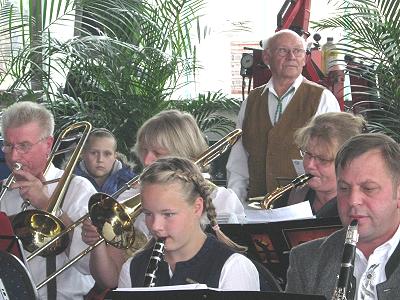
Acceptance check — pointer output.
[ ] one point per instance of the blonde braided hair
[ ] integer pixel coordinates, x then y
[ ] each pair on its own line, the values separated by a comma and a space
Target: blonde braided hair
170, 170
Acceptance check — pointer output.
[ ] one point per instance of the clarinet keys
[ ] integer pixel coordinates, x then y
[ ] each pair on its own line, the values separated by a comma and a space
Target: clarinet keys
343, 286
156, 256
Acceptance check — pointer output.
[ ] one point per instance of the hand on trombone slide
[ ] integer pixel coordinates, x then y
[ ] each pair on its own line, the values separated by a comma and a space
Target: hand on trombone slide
31, 188
89, 233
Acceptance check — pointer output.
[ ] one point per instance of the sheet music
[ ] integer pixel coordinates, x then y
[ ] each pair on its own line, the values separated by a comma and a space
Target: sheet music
297, 211
194, 286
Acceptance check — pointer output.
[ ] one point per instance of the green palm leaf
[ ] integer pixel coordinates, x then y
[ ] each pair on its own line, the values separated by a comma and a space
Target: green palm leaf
126, 59
372, 40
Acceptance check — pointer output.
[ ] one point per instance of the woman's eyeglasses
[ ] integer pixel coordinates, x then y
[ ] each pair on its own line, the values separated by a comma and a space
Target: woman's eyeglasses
318, 159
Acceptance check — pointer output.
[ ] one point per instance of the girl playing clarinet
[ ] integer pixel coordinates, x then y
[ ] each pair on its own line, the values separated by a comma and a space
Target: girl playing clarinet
175, 196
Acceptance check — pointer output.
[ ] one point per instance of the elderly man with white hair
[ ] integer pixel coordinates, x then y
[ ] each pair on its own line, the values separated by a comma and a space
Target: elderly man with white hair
270, 115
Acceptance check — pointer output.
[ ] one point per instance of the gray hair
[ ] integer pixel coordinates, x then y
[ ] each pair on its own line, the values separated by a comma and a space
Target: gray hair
332, 129
173, 130
362, 143
22, 113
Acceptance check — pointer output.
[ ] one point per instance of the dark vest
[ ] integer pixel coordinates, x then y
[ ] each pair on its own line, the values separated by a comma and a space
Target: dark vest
271, 148
205, 267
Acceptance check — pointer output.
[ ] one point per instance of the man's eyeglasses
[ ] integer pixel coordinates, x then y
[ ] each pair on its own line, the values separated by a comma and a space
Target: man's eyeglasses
318, 159
22, 148
281, 51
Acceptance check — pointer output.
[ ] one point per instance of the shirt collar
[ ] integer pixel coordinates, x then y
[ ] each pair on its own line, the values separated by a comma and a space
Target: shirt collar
387, 247
295, 84
393, 242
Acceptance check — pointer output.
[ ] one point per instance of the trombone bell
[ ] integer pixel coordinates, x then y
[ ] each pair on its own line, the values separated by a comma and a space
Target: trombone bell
113, 220
36, 228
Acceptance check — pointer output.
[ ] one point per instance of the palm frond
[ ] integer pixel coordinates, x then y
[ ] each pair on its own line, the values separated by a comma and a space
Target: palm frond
122, 66
372, 48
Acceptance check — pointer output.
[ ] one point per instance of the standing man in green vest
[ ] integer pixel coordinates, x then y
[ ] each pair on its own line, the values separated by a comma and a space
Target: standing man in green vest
270, 115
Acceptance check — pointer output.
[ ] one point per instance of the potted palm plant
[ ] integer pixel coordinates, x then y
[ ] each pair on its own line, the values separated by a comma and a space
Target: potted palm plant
371, 46
121, 66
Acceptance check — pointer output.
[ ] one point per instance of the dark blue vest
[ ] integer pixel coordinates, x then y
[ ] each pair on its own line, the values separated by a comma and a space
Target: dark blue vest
205, 267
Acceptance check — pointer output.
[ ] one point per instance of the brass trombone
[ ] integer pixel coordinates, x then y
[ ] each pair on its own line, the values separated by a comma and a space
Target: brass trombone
10, 179
36, 228
114, 220
268, 201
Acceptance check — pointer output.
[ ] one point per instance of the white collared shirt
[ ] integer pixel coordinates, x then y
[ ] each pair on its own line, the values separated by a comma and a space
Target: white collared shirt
237, 166
369, 273
76, 281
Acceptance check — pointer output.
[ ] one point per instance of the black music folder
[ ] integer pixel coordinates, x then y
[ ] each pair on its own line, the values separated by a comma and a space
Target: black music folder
15, 279
210, 294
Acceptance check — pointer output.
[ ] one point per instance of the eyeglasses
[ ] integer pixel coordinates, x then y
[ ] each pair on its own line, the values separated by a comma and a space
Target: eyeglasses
22, 148
318, 159
281, 51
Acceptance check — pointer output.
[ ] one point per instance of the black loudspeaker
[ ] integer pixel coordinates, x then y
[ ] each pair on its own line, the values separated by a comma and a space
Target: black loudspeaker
15, 281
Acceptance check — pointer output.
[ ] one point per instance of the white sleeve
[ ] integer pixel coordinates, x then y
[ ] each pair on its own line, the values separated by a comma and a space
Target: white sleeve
239, 274
125, 275
328, 103
75, 206
226, 202
237, 166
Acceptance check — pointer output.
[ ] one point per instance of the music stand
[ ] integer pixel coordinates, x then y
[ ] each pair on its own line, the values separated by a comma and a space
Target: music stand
298, 232
15, 280
261, 244
270, 243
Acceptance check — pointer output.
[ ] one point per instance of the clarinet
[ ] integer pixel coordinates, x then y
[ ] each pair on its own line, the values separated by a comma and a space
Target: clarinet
152, 267
342, 290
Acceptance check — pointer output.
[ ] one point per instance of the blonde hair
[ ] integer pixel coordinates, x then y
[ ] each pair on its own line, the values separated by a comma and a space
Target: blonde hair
171, 170
22, 113
173, 130
331, 129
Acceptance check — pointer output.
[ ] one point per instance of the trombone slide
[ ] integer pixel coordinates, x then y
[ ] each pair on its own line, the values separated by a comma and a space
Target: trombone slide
36, 228
10, 179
